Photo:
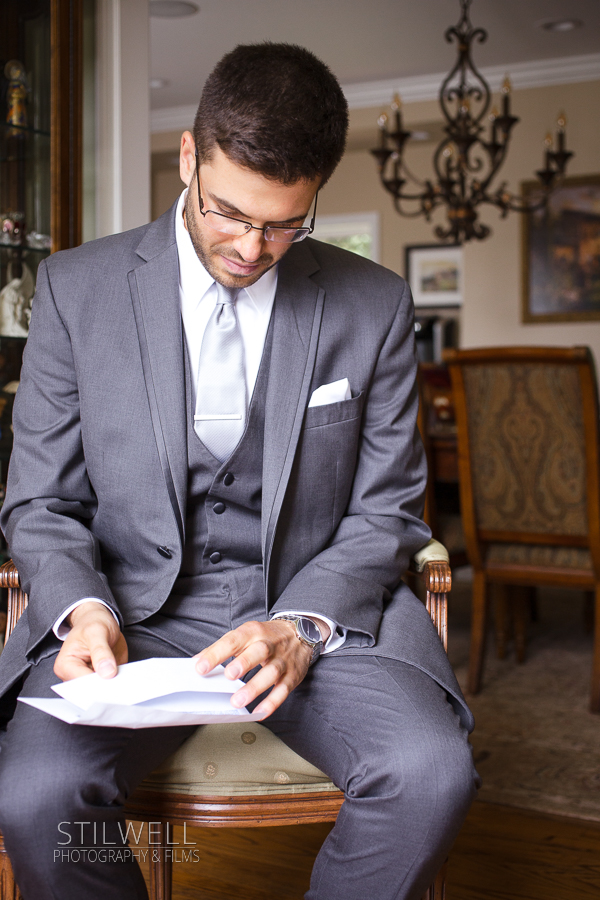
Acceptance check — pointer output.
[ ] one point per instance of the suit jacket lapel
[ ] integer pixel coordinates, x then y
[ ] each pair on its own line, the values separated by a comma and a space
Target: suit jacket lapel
155, 294
298, 310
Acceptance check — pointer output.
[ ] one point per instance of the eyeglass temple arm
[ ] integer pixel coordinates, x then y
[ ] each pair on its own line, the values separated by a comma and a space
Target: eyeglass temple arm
200, 200
314, 215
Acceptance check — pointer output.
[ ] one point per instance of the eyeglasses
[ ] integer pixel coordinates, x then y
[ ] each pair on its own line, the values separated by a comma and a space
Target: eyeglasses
280, 234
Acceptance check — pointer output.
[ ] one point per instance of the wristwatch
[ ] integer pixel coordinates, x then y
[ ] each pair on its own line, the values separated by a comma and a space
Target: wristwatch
308, 633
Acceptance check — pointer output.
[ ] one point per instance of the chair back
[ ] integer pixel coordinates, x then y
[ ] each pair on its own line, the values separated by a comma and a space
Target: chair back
527, 421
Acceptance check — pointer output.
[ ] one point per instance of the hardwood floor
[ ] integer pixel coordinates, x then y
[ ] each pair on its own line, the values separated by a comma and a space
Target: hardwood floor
502, 853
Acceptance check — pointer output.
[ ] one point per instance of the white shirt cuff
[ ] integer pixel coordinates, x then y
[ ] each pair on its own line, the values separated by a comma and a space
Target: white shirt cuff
337, 634
60, 630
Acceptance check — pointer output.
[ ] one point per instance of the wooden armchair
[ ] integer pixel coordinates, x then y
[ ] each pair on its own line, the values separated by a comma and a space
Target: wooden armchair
528, 453
258, 781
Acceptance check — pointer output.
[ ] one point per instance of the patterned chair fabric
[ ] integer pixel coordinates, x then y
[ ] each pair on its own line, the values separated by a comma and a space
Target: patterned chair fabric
544, 557
527, 447
232, 759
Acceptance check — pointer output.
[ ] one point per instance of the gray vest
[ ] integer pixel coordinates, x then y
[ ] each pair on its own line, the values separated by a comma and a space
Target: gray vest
223, 517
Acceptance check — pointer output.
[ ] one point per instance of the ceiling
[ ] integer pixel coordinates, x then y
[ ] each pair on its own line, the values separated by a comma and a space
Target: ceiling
362, 40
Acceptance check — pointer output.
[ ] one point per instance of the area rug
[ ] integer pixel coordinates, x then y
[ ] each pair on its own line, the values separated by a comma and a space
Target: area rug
535, 744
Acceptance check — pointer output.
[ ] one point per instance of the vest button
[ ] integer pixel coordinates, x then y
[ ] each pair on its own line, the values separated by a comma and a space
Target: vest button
219, 508
228, 479
215, 557
164, 551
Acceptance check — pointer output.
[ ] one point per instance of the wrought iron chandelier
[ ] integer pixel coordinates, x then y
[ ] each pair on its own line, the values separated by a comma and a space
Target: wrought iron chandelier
466, 160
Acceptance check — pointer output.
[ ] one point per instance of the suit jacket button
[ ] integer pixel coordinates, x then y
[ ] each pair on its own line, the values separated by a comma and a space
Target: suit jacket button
164, 551
228, 479
215, 557
219, 508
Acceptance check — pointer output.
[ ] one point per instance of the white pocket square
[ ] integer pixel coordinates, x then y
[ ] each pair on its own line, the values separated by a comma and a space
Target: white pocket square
331, 393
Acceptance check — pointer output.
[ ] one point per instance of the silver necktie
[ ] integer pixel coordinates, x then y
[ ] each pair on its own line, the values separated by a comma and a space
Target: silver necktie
220, 416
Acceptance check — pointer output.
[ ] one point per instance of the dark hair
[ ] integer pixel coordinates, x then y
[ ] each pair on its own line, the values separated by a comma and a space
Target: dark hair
275, 109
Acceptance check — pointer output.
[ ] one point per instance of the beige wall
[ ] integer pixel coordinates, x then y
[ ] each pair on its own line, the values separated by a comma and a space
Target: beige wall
492, 304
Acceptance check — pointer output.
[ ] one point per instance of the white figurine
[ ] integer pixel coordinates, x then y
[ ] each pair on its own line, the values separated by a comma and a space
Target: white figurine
15, 304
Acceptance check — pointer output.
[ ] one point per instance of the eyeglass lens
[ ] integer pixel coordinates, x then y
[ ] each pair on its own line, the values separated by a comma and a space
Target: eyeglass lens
227, 225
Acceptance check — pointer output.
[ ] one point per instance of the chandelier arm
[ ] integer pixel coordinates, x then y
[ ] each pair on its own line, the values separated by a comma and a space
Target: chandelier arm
524, 206
406, 214
412, 177
435, 200
439, 150
496, 165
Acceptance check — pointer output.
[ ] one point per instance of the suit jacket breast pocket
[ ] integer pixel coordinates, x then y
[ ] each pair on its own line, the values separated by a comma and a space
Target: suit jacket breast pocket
331, 413
324, 467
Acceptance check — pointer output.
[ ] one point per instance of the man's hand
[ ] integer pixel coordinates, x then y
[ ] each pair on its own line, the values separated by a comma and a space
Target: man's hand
272, 645
94, 644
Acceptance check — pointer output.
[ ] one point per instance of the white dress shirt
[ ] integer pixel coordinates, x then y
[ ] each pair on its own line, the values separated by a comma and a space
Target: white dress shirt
198, 297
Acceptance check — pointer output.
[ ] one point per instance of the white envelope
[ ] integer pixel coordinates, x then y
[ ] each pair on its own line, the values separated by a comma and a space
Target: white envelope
147, 694
331, 393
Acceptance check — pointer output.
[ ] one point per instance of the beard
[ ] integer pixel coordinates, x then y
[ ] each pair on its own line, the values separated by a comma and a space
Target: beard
210, 257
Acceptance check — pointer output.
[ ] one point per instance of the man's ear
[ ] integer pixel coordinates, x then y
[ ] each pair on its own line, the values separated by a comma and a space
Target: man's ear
187, 157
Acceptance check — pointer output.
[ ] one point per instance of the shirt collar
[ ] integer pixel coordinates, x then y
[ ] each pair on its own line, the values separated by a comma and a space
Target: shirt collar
195, 281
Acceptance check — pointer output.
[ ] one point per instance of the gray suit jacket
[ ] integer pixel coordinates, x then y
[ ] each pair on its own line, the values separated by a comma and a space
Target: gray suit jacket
98, 476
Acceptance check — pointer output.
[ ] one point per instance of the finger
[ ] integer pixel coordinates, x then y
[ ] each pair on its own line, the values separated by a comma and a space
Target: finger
121, 651
231, 644
93, 642
68, 666
258, 653
268, 706
271, 674
270, 634
103, 659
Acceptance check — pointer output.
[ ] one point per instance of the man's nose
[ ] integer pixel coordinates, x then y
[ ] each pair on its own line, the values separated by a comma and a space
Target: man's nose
250, 245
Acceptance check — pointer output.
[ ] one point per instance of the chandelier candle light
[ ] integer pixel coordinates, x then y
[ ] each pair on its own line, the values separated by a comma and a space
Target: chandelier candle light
467, 159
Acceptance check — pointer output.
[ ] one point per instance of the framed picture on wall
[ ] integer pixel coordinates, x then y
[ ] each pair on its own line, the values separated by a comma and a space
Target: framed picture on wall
434, 273
561, 253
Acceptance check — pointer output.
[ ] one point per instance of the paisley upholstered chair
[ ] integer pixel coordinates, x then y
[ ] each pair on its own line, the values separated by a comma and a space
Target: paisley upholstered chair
237, 775
527, 422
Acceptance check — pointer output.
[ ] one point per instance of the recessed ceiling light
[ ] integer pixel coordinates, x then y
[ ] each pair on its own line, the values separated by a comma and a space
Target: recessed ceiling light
172, 9
156, 83
559, 24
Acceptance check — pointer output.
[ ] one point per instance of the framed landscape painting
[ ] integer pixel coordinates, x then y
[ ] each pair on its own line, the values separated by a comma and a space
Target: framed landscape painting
561, 253
435, 274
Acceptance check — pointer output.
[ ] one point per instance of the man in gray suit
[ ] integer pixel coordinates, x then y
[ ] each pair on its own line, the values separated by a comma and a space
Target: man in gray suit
216, 455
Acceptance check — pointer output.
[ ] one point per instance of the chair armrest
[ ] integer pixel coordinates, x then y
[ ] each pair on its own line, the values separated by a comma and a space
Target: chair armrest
433, 551
17, 599
432, 563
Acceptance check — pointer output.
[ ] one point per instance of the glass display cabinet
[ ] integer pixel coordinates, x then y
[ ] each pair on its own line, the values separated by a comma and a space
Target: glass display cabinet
40, 167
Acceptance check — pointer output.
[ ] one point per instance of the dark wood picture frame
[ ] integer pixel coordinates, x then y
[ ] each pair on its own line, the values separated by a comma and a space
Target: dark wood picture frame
561, 253
66, 38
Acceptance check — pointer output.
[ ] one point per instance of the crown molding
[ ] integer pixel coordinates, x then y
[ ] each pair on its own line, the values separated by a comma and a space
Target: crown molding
539, 73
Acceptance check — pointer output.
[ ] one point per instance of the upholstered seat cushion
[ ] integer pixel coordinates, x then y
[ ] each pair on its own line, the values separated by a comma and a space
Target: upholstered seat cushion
539, 556
224, 760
